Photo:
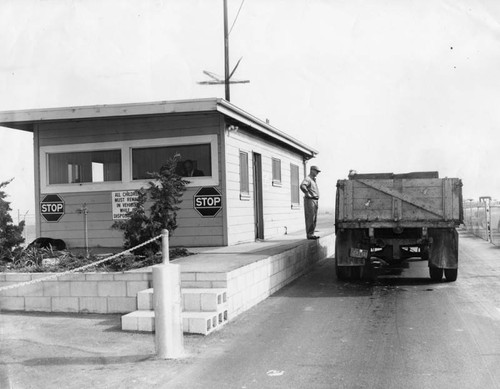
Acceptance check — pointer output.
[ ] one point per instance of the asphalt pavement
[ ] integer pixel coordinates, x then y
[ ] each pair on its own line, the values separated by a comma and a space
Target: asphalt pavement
403, 331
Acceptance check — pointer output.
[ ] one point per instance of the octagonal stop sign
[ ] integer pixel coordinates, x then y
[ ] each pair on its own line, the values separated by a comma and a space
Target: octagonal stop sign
208, 201
52, 207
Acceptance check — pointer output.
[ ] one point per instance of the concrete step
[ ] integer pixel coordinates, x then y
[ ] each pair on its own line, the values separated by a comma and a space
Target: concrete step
193, 299
192, 322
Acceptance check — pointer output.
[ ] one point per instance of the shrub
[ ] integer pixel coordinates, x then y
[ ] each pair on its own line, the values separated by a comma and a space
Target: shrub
11, 236
165, 192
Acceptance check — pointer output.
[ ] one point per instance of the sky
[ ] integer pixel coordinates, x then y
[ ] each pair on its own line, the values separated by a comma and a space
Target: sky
373, 85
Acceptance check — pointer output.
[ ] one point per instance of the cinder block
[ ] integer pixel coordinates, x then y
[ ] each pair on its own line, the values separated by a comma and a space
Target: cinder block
219, 284
56, 288
139, 321
12, 303
146, 322
211, 277
195, 284
145, 299
41, 304
200, 322
134, 287
131, 276
188, 276
94, 304
99, 276
130, 322
121, 304
31, 290
64, 304
10, 292
191, 301
72, 277
83, 288
17, 277
211, 301
111, 288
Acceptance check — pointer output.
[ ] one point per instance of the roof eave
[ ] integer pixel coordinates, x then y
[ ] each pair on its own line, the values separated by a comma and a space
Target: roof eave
242, 116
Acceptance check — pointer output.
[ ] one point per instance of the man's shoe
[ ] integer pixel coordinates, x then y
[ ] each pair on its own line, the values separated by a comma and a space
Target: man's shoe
313, 237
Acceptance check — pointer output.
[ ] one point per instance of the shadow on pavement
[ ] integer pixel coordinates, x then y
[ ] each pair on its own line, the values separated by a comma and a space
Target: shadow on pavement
87, 360
322, 282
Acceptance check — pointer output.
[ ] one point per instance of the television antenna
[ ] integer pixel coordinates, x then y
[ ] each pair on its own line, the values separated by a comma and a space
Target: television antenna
216, 79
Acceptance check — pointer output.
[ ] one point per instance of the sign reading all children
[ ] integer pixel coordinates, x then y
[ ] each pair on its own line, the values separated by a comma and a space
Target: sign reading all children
123, 202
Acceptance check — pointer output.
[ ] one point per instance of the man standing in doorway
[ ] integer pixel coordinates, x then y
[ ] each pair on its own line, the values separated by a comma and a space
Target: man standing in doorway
311, 197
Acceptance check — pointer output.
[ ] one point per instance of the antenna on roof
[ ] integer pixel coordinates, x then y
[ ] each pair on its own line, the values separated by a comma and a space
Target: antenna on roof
215, 79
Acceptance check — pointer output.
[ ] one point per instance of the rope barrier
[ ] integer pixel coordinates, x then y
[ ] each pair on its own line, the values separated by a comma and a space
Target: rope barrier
57, 275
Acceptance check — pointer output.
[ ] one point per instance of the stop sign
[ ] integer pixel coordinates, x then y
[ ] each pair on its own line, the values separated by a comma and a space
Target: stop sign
208, 201
52, 207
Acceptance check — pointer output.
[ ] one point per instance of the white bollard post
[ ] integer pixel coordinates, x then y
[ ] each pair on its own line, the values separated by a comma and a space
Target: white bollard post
165, 246
169, 339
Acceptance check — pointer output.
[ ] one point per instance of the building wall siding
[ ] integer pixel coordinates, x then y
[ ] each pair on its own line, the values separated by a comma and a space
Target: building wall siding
279, 217
193, 230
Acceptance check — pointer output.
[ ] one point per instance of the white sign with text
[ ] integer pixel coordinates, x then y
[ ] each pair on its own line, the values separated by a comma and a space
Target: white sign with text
123, 202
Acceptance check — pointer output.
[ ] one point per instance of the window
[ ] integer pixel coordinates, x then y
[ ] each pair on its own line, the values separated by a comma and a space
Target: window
195, 160
294, 180
88, 166
124, 164
244, 179
276, 172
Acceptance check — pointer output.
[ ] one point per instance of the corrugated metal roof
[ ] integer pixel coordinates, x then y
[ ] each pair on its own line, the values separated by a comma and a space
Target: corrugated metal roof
26, 119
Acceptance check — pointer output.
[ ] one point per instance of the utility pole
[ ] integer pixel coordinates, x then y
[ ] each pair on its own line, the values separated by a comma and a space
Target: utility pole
226, 54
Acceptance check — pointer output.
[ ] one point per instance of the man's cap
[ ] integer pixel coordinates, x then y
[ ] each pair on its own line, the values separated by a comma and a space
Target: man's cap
314, 167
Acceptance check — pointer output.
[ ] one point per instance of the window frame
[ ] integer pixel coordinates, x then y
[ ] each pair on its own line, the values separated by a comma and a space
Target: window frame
125, 147
294, 205
276, 181
244, 195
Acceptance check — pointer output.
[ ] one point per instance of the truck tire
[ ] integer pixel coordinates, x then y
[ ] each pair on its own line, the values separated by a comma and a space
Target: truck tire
436, 273
343, 273
355, 273
451, 274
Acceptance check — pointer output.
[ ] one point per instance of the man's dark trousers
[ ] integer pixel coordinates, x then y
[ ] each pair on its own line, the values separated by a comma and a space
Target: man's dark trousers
311, 214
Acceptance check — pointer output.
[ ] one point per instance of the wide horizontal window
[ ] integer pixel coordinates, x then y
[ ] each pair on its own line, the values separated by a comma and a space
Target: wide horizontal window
87, 166
195, 160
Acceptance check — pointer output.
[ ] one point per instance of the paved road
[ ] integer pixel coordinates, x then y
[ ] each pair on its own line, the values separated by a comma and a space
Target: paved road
402, 332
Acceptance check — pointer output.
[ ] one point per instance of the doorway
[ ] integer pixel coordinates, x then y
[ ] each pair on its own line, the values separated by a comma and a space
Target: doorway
258, 202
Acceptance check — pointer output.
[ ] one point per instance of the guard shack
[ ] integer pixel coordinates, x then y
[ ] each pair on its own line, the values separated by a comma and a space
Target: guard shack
89, 161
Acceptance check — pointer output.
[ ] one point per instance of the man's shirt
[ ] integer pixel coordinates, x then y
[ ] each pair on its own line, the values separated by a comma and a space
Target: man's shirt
310, 184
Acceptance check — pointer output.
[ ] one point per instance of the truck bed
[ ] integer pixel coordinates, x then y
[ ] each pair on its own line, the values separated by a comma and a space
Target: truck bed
385, 200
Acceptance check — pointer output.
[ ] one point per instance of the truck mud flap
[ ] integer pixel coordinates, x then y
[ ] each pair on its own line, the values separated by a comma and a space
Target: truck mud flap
350, 250
443, 250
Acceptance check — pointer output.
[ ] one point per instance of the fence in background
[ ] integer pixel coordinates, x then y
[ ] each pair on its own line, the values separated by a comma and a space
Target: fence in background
482, 218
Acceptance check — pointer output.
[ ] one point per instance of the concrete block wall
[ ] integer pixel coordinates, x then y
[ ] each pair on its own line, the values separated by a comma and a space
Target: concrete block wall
249, 285
80, 292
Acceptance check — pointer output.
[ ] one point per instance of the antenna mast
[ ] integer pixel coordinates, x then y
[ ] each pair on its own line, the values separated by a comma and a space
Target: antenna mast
226, 54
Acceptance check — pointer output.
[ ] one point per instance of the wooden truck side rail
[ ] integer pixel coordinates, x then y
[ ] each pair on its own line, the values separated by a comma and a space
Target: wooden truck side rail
399, 202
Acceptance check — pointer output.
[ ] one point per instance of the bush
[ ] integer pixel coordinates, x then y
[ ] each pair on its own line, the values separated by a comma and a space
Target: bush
11, 236
165, 191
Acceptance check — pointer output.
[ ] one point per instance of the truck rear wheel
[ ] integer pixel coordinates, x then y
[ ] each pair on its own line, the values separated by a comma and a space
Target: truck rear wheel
451, 274
436, 274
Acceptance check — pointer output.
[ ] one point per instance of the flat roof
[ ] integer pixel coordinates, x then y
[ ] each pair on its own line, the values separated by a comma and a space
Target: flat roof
25, 120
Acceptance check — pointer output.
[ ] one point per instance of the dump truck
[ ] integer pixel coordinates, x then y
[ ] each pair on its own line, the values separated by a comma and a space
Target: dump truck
386, 220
